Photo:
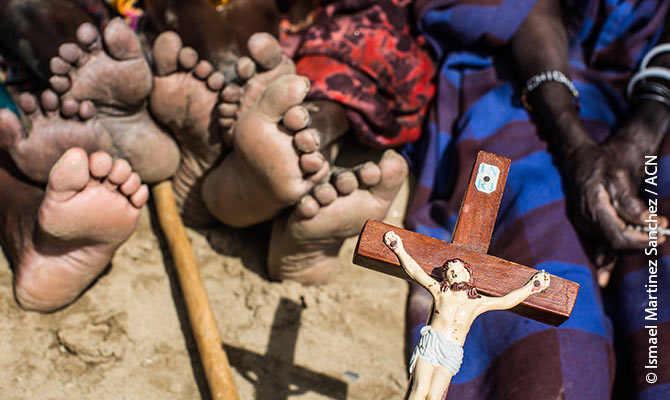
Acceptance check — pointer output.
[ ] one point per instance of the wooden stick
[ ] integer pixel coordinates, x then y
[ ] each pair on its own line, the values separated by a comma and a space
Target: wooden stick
204, 327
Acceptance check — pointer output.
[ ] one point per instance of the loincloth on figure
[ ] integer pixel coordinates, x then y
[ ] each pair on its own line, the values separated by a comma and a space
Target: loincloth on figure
437, 349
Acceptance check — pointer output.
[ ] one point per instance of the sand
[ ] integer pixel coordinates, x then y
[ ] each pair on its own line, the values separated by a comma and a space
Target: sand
128, 338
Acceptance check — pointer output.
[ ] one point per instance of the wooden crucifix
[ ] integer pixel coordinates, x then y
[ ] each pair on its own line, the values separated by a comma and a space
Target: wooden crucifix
493, 276
454, 272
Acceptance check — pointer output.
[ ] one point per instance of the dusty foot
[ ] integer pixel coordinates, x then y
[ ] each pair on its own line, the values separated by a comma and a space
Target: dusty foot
267, 63
274, 161
91, 206
305, 243
117, 79
184, 97
53, 128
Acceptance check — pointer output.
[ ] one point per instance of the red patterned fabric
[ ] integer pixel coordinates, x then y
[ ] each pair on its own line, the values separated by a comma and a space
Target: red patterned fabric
363, 55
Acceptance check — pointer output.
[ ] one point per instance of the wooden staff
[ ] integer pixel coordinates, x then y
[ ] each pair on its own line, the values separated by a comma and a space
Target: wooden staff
201, 317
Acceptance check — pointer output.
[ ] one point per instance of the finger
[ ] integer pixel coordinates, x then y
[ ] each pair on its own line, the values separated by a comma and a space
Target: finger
613, 227
627, 204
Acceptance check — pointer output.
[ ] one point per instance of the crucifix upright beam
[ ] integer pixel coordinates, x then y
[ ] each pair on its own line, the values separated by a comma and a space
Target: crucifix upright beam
493, 276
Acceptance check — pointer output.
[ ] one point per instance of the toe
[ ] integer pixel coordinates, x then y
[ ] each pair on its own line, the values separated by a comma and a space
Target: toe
100, 164
311, 162
321, 175
307, 207
282, 94
226, 122
188, 57
307, 140
59, 66
69, 174
296, 118
231, 93
227, 110
119, 173
166, 52
140, 197
324, 193
69, 108
70, 52
28, 103
203, 70
88, 36
60, 84
215, 81
49, 101
86, 109
394, 170
120, 40
345, 181
131, 185
245, 68
11, 131
368, 174
265, 50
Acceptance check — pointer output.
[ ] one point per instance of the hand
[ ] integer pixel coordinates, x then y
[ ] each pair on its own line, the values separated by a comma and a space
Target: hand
393, 241
603, 185
539, 282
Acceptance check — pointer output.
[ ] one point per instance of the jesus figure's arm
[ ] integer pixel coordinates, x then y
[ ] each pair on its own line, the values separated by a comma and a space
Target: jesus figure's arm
393, 242
538, 283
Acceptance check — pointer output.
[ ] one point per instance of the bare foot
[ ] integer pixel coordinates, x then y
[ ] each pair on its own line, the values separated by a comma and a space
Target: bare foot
186, 91
184, 97
91, 206
274, 161
305, 243
118, 80
267, 63
53, 128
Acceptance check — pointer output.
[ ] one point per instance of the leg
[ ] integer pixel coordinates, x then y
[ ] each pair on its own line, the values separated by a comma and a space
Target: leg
440, 383
422, 375
60, 240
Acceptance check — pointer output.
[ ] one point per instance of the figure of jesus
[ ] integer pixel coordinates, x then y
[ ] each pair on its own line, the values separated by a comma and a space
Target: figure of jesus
438, 356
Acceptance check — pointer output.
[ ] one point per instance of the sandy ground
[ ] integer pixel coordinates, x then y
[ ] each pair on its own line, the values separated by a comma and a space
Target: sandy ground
128, 337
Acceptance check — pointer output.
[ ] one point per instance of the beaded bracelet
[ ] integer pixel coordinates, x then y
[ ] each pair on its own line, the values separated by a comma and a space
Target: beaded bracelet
548, 76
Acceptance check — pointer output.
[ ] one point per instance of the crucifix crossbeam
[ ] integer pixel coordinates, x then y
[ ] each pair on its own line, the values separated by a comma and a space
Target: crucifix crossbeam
493, 276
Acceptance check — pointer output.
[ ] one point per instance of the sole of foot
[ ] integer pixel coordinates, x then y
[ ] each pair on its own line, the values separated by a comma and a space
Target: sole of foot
111, 71
305, 242
264, 65
274, 160
186, 91
53, 128
91, 205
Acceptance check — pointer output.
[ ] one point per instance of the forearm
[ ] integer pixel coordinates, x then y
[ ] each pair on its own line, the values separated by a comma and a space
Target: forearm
541, 44
415, 271
649, 120
511, 299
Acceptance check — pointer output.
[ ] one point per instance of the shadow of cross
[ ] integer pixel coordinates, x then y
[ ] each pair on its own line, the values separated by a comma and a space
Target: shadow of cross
274, 374
492, 276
